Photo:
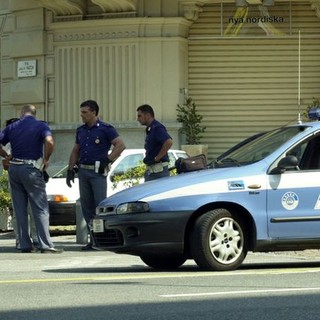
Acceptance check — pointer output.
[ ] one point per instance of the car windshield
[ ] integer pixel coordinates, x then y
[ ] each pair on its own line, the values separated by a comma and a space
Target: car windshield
259, 148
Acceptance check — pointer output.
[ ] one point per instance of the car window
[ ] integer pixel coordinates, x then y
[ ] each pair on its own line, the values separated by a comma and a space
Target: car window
261, 147
240, 144
129, 162
307, 153
298, 151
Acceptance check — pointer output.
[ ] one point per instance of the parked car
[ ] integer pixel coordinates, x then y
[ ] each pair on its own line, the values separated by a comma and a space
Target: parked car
62, 199
264, 196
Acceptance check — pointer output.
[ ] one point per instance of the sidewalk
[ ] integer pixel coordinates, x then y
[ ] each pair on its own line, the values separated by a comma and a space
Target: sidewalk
61, 239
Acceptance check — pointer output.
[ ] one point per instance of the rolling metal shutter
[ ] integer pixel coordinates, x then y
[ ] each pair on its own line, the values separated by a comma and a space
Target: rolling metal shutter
246, 84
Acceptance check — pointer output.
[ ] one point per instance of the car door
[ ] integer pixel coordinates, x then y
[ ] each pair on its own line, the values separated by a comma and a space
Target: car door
293, 198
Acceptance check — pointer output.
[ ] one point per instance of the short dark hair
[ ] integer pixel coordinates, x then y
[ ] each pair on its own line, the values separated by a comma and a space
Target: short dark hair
145, 108
91, 104
29, 109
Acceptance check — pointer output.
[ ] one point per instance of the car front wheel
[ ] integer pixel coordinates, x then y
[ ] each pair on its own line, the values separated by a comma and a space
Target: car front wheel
217, 241
163, 262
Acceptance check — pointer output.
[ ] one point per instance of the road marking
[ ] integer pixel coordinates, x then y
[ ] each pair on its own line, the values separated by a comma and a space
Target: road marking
110, 277
227, 293
162, 275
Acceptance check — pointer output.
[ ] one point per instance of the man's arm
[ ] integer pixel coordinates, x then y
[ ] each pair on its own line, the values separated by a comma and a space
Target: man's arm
118, 147
48, 150
73, 159
3, 153
164, 149
74, 156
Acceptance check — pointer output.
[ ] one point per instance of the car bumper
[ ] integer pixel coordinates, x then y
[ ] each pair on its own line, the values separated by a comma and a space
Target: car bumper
141, 233
62, 213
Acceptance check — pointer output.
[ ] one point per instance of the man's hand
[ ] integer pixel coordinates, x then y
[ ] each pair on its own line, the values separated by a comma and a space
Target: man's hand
70, 177
45, 176
103, 165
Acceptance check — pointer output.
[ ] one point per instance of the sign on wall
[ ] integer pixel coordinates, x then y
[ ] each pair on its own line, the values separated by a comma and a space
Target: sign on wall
27, 68
256, 20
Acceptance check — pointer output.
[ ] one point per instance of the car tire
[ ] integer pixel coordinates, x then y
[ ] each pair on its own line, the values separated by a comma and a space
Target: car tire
163, 262
218, 241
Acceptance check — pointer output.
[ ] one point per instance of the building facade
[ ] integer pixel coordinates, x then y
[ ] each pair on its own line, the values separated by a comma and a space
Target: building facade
248, 66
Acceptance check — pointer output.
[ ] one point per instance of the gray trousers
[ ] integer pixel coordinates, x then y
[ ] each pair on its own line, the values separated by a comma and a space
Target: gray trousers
27, 185
93, 189
32, 227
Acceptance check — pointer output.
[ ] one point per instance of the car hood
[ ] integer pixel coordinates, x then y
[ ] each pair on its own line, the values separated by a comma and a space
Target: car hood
174, 185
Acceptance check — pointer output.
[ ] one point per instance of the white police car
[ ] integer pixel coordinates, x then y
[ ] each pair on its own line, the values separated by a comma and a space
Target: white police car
263, 196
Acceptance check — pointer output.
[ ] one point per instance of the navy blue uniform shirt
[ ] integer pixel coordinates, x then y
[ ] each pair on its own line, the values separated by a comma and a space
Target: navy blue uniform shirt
156, 135
26, 137
95, 141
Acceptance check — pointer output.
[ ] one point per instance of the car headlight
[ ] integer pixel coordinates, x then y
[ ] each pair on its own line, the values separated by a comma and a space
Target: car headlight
132, 207
58, 198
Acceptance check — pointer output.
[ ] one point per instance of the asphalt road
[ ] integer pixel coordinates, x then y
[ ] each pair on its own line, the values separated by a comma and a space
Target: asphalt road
93, 285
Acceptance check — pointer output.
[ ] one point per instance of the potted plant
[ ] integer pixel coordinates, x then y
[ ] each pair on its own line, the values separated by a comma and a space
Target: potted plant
187, 114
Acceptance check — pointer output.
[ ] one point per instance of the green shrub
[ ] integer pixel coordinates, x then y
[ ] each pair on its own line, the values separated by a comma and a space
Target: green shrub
191, 121
5, 197
133, 176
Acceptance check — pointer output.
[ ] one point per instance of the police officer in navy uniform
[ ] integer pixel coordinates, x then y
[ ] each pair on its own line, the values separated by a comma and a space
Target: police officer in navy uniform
31, 147
90, 152
32, 227
157, 144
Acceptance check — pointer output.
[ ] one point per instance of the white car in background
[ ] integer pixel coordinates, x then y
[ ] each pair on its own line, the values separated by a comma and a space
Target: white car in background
62, 199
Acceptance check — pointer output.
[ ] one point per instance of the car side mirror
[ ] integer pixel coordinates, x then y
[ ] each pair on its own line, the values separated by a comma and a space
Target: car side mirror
286, 163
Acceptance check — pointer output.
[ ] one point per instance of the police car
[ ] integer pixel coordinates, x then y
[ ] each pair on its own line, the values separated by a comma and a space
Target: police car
263, 196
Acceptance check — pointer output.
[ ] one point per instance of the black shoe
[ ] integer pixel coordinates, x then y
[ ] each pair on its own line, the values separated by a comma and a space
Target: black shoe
36, 244
51, 250
18, 247
33, 250
88, 247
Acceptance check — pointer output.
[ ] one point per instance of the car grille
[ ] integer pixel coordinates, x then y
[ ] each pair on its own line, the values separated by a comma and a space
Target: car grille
103, 211
109, 238
62, 213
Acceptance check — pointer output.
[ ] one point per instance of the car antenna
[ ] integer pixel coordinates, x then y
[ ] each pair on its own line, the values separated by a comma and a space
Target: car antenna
299, 67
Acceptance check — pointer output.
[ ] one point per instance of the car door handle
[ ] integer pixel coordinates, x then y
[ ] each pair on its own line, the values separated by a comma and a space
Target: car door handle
254, 186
